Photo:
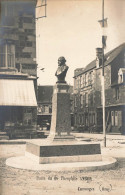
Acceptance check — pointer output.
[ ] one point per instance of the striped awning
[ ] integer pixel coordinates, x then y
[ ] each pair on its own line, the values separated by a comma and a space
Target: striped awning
15, 92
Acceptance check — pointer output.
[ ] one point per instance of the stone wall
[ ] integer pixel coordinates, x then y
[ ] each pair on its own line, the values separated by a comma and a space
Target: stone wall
18, 29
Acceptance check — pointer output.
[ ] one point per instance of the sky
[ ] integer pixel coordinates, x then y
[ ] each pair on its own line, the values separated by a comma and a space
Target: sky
71, 29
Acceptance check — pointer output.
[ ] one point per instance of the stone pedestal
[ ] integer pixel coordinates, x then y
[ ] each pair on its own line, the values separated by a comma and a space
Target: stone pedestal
61, 119
60, 146
62, 152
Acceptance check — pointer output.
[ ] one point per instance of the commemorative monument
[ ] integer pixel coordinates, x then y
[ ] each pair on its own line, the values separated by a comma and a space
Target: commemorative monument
61, 146
61, 122
60, 150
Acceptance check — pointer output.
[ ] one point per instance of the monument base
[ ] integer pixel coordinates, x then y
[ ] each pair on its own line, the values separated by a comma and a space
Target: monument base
60, 137
63, 138
59, 152
61, 146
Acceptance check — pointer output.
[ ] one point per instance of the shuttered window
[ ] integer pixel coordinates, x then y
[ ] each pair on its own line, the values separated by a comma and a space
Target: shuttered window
7, 55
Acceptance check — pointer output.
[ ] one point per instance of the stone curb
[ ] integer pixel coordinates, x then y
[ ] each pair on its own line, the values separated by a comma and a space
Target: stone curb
25, 163
12, 142
99, 136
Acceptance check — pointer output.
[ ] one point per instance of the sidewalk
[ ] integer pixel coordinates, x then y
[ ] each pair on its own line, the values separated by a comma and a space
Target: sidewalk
98, 137
15, 141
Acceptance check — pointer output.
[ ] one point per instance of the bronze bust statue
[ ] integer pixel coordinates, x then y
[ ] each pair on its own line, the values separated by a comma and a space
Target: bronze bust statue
61, 70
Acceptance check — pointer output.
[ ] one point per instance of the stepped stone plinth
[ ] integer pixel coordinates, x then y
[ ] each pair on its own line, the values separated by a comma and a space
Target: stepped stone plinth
61, 146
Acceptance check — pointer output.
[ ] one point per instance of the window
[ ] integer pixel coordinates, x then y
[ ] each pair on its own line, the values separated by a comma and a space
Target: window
86, 99
28, 110
39, 109
120, 78
7, 55
93, 118
27, 20
116, 118
90, 78
28, 122
25, 55
46, 109
22, 38
117, 93
91, 99
83, 80
75, 101
86, 120
29, 31
86, 79
82, 118
90, 119
28, 44
121, 75
81, 100
75, 119
80, 81
75, 83
101, 97
7, 9
0, 10
112, 118
119, 118
22, 43
78, 119
50, 109
27, 116
29, 66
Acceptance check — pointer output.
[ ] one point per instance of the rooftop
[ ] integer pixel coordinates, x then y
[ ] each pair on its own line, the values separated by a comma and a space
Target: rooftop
110, 56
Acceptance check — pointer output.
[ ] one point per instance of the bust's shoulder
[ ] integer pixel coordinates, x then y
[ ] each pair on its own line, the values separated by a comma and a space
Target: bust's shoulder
65, 66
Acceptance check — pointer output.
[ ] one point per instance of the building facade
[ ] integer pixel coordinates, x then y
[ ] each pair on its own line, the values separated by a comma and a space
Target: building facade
44, 109
18, 106
88, 93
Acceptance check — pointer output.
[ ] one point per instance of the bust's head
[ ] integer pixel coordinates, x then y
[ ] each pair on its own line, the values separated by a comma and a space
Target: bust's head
61, 61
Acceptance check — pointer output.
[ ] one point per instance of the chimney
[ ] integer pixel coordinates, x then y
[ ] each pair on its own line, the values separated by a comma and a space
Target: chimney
98, 57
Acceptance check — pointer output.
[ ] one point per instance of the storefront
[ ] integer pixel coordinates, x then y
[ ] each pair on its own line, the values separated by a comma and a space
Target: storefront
18, 107
114, 115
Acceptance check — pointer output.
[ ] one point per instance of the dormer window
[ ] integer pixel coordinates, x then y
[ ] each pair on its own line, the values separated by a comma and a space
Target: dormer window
80, 81
90, 77
121, 75
86, 79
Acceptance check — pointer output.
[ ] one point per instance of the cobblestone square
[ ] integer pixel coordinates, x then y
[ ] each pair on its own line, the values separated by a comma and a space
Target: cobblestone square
24, 182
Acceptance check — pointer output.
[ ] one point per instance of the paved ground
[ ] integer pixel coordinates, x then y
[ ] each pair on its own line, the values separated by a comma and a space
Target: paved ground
23, 182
